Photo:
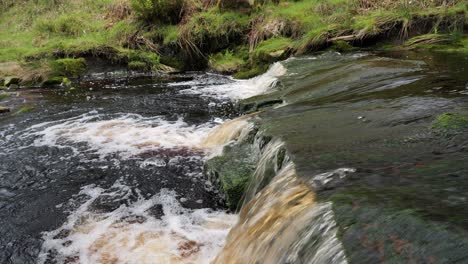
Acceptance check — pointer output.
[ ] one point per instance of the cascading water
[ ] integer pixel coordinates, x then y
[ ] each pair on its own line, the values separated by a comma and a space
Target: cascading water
283, 223
113, 171
120, 176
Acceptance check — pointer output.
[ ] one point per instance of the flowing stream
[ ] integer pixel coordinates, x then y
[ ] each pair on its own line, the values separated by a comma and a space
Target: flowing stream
113, 170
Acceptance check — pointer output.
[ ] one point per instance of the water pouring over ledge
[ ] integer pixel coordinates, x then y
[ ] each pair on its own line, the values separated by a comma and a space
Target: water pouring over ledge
105, 197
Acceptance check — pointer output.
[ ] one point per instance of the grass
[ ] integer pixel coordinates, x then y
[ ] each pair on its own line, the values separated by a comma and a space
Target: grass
228, 61
143, 33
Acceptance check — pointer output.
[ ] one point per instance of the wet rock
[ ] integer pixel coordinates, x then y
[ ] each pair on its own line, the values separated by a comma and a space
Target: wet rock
232, 172
53, 81
330, 179
4, 109
9, 81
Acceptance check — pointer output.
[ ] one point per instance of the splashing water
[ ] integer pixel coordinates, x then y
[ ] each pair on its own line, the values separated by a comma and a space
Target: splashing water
241, 89
127, 134
284, 224
153, 230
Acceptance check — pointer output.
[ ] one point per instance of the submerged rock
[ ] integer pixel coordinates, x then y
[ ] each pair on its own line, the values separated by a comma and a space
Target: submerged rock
450, 122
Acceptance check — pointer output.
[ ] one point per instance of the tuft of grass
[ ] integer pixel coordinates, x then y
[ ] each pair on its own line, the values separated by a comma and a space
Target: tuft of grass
213, 30
24, 109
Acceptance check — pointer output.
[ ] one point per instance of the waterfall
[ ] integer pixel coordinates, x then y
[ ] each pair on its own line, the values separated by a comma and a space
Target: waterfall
284, 223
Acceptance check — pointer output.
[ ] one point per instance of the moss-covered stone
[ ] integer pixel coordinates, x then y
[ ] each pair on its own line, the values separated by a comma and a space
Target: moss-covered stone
251, 71
53, 81
341, 46
68, 67
232, 172
450, 122
137, 66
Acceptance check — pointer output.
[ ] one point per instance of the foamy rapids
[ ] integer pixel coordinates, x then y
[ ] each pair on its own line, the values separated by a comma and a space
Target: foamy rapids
238, 89
132, 233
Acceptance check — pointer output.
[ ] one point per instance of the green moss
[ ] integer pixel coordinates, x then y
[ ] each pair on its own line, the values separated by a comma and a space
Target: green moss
341, 46
268, 48
139, 60
249, 72
24, 109
68, 67
53, 81
450, 122
226, 62
137, 65
233, 170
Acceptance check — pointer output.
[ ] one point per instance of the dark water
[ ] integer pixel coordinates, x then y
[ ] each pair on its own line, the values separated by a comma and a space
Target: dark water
48, 161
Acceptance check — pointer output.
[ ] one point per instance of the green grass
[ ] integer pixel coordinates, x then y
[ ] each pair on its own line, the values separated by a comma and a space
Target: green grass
38, 30
228, 61
24, 109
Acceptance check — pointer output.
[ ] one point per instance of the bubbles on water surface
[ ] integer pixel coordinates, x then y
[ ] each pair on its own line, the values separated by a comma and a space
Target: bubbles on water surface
127, 134
155, 229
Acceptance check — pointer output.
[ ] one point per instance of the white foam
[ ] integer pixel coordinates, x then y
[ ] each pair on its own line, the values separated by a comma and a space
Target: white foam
241, 89
130, 234
127, 134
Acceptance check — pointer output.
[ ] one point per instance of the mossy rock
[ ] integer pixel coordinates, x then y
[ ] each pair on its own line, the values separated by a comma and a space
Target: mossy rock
68, 67
341, 46
138, 66
271, 50
450, 122
248, 72
232, 172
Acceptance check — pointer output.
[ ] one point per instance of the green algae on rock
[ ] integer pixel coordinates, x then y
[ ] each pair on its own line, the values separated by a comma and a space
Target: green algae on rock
450, 122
